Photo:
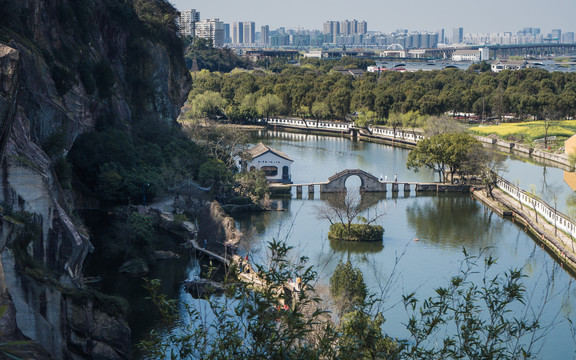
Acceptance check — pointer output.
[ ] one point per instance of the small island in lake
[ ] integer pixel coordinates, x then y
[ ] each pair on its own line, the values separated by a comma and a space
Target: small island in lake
356, 232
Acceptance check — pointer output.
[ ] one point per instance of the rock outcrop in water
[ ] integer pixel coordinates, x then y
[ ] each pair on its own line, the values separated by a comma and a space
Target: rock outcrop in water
65, 67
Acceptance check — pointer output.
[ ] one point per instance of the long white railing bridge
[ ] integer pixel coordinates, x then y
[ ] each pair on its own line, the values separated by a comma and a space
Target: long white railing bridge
370, 183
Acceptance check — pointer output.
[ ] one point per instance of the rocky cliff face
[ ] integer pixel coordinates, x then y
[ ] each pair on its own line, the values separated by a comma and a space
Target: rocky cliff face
66, 66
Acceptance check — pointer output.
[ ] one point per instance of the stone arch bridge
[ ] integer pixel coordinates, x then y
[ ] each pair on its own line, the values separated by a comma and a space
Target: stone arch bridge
368, 182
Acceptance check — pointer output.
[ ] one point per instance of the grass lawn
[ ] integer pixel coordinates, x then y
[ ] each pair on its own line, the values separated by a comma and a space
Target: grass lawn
527, 132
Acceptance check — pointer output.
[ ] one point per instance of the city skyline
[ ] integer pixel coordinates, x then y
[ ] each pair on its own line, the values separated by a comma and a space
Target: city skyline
492, 16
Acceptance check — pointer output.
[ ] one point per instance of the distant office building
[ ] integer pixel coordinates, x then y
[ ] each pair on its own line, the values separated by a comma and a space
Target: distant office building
278, 40
249, 32
568, 37
211, 29
227, 38
187, 22
362, 27
526, 30
265, 35
457, 35
348, 27
556, 35
300, 40
332, 29
344, 32
344, 27
237, 32
530, 31
440, 36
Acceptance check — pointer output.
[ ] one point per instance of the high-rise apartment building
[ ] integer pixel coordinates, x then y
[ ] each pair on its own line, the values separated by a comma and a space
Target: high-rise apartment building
348, 27
556, 35
332, 29
362, 27
187, 22
211, 29
237, 32
249, 32
457, 35
265, 35
344, 27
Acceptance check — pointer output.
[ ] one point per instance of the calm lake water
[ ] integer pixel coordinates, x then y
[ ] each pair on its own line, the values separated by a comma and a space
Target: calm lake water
444, 224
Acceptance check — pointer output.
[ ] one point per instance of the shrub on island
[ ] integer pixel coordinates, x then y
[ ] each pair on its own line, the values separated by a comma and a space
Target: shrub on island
356, 232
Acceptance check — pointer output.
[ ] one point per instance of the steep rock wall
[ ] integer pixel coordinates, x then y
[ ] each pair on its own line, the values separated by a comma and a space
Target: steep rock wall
65, 66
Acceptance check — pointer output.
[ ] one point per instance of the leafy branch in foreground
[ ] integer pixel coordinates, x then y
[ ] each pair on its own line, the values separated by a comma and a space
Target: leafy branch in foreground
478, 315
251, 321
471, 318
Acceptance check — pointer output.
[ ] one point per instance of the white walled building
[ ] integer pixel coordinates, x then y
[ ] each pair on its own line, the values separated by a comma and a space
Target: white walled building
502, 65
482, 54
187, 22
275, 164
211, 29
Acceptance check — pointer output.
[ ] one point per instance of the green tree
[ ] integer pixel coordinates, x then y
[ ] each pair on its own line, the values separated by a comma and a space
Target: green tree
394, 121
249, 322
347, 288
479, 313
339, 101
320, 110
218, 141
208, 104
362, 337
268, 104
412, 120
214, 173
446, 153
342, 209
252, 184
241, 113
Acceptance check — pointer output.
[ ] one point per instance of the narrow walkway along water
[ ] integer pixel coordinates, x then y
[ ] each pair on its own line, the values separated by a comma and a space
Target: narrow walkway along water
545, 233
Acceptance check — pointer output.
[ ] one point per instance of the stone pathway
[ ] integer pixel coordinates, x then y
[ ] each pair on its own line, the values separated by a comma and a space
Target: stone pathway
555, 240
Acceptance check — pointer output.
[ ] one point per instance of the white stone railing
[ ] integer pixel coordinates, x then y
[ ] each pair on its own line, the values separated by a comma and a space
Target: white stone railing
332, 125
553, 216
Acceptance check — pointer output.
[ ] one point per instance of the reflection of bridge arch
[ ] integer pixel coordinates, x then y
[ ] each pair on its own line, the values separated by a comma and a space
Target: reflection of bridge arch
395, 47
368, 182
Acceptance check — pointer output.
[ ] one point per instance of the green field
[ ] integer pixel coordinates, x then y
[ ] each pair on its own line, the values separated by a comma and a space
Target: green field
528, 131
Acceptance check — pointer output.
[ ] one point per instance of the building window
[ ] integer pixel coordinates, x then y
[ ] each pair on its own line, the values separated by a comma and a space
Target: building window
270, 170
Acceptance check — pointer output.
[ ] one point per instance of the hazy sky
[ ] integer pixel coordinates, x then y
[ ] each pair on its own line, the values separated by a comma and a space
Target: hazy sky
388, 15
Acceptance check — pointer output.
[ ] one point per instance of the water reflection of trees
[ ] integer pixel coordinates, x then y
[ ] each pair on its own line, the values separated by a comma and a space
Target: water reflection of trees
454, 221
254, 223
356, 247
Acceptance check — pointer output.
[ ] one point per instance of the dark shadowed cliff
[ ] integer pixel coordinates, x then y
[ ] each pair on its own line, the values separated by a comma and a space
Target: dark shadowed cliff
68, 67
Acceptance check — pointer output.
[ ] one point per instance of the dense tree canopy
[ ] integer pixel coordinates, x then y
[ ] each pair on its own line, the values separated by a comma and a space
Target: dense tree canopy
317, 92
